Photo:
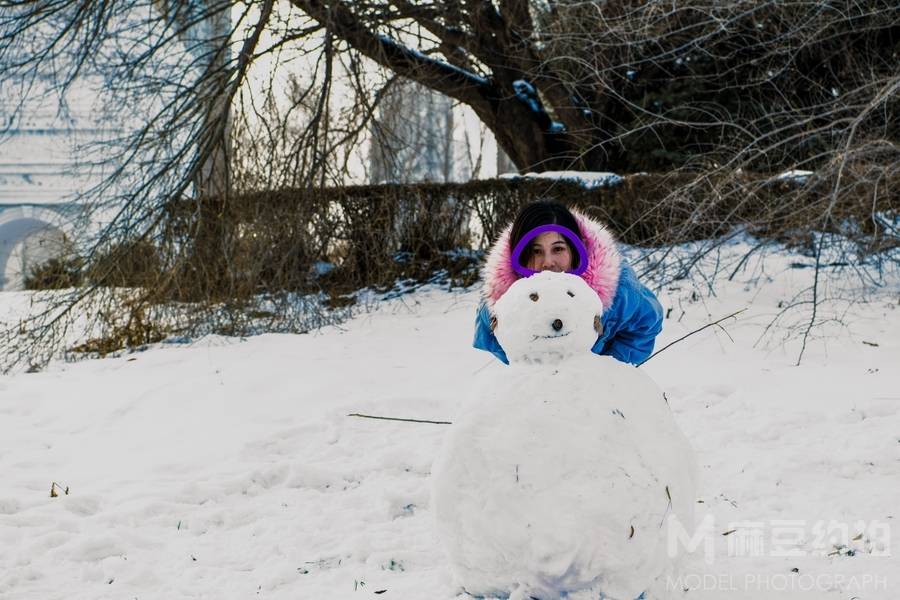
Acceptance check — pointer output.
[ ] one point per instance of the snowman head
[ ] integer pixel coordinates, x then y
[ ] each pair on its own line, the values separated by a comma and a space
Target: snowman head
547, 317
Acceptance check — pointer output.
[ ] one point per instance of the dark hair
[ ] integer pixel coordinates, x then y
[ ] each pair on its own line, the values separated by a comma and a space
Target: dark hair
544, 212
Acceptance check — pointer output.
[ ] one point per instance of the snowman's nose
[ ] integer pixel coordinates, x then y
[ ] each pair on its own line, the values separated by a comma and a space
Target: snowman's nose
557, 325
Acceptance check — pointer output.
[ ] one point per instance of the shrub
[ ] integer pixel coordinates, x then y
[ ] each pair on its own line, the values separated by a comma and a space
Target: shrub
55, 274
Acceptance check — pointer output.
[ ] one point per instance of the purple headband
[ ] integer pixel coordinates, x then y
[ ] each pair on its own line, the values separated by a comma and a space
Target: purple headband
570, 235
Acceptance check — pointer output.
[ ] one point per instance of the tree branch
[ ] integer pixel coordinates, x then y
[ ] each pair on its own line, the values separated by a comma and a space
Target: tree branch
443, 77
399, 419
714, 323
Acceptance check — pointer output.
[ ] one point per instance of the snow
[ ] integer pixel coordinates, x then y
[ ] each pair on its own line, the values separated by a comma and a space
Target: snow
474, 78
795, 176
529, 312
228, 468
526, 93
322, 268
587, 179
556, 127
561, 470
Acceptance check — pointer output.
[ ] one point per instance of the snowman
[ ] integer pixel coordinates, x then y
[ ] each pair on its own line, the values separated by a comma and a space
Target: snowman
563, 473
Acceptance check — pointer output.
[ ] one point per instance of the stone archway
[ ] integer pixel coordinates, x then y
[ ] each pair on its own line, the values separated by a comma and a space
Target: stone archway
29, 236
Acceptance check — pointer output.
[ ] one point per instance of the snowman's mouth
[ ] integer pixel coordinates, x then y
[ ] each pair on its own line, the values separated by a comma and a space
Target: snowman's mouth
550, 337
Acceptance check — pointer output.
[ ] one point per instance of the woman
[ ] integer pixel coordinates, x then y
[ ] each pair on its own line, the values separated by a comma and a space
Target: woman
548, 236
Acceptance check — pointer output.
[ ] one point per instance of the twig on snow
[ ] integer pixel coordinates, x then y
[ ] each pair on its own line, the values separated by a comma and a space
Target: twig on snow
714, 323
399, 419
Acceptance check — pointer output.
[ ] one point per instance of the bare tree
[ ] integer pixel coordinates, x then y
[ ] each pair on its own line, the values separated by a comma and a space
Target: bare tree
164, 76
204, 30
212, 96
587, 85
595, 86
412, 137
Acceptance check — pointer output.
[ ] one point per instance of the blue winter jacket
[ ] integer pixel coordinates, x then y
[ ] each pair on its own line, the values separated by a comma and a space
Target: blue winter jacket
630, 324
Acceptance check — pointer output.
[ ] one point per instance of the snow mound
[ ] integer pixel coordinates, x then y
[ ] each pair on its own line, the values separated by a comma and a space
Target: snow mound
562, 471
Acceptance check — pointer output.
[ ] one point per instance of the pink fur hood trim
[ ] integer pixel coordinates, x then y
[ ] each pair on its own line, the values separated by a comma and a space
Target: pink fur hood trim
602, 273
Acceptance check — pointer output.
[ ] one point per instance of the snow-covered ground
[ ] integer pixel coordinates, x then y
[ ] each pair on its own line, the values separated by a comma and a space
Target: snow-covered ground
229, 468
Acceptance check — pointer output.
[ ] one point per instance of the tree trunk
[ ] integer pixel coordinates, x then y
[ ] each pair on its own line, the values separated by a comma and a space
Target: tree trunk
205, 30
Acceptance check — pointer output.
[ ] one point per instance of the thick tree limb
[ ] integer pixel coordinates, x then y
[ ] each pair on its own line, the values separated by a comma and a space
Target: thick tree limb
443, 77
518, 128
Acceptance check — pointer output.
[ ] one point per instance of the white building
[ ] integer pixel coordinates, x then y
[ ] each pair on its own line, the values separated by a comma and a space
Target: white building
39, 177
422, 135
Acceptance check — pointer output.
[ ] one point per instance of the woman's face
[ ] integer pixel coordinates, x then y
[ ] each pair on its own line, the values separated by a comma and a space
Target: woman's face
550, 252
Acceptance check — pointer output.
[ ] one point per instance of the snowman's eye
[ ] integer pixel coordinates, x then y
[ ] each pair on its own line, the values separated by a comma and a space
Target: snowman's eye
533, 296
571, 295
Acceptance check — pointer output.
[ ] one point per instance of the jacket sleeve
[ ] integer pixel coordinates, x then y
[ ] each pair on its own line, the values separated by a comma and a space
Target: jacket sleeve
632, 323
484, 337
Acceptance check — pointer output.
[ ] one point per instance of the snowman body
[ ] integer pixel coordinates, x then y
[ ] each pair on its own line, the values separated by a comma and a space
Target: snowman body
562, 471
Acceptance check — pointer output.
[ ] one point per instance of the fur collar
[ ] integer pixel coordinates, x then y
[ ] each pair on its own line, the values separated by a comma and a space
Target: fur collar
602, 274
